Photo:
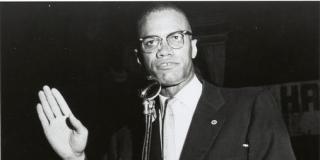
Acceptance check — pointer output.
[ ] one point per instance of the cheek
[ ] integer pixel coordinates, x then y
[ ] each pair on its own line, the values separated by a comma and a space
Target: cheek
186, 57
147, 62
187, 64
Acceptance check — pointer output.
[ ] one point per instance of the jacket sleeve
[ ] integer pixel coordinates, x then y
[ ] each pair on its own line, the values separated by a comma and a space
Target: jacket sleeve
268, 136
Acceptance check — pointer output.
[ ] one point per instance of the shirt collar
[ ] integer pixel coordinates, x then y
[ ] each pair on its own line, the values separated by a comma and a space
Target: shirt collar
189, 95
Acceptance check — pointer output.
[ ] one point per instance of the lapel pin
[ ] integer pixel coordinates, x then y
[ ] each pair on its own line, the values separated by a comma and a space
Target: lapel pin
214, 122
245, 145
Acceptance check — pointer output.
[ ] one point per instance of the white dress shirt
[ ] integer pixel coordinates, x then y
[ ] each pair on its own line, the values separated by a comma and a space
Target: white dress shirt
185, 103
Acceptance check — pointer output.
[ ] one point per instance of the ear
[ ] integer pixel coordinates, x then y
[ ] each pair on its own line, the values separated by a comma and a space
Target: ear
138, 61
136, 52
194, 48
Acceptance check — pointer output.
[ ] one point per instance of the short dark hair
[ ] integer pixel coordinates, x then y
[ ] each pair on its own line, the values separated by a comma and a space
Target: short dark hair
157, 7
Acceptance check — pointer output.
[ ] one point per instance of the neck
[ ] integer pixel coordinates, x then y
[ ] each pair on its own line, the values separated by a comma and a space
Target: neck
170, 91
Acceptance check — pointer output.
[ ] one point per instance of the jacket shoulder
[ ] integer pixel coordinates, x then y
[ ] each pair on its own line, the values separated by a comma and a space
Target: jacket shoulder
240, 93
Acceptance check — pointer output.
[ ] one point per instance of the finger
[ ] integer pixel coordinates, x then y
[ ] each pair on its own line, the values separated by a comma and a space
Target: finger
43, 119
79, 127
45, 105
52, 102
62, 103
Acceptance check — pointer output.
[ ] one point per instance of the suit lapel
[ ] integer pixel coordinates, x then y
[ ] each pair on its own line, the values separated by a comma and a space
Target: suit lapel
203, 128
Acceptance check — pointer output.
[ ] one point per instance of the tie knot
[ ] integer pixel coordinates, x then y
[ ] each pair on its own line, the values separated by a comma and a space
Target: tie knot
170, 101
169, 106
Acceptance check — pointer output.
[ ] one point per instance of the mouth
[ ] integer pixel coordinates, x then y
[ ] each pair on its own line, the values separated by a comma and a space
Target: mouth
166, 65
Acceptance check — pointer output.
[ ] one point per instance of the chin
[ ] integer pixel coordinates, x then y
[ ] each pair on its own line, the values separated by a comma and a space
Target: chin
169, 82
170, 78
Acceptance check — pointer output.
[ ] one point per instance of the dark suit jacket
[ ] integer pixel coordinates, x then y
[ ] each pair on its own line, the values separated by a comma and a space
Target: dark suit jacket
231, 124
234, 124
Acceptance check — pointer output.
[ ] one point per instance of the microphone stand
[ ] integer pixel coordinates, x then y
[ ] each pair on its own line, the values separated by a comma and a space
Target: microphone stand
148, 95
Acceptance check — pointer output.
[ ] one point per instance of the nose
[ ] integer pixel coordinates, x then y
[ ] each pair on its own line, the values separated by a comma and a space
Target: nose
164, 49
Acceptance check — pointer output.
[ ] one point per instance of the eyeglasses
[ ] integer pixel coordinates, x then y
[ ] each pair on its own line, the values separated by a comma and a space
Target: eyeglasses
175, 40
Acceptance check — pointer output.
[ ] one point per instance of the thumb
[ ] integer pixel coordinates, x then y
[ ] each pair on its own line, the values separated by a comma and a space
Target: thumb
77, 125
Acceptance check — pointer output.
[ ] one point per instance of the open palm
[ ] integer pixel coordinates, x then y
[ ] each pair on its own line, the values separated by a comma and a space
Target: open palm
68, 142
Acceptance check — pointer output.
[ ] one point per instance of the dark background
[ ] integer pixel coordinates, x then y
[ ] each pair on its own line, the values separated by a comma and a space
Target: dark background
85, 50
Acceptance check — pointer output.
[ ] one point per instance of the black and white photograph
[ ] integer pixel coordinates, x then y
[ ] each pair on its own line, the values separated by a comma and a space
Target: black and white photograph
160, 80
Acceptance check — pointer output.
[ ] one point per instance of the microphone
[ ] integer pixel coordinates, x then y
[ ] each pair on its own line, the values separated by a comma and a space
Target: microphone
151, 91
148, 95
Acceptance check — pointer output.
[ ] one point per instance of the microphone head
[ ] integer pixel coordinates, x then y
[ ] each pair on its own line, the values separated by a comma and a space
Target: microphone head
151, 91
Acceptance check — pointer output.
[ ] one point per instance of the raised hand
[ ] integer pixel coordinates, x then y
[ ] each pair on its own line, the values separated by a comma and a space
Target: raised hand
53, 112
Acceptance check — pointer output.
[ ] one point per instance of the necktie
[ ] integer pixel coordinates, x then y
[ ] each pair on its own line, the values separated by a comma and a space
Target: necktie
168, 132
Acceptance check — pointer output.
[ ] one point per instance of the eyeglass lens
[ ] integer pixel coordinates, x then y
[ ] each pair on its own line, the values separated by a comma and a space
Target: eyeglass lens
174, 40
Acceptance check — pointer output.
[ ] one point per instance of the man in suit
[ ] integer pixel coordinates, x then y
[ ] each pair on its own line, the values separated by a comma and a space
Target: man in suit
195, 119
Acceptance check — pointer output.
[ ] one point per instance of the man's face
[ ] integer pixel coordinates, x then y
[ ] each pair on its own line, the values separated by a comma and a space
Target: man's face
168, 65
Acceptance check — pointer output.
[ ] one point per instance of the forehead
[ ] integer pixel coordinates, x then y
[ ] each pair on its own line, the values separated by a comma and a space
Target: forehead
163, 22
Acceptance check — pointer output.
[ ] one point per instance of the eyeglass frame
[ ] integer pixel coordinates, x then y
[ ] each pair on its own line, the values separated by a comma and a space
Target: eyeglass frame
182, 32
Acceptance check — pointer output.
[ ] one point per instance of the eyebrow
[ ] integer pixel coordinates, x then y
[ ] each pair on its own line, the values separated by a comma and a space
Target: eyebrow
149, 36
